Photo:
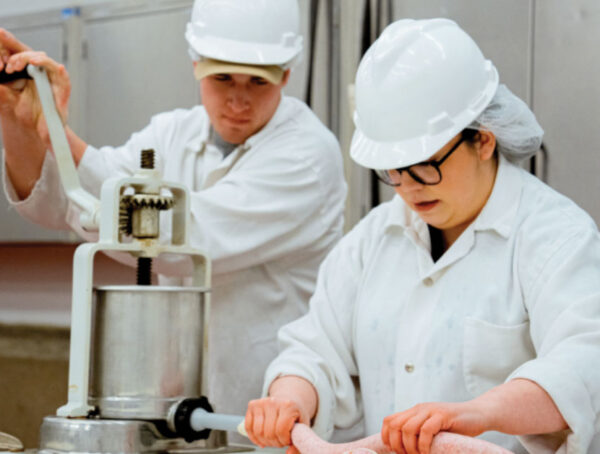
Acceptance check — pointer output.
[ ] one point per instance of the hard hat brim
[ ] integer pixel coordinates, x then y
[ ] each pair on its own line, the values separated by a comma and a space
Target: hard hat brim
393, 155
207, 67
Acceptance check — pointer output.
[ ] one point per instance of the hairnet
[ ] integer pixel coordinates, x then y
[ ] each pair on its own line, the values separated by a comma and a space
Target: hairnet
518, 134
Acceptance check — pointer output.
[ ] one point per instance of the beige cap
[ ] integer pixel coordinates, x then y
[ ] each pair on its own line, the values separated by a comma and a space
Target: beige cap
207, 66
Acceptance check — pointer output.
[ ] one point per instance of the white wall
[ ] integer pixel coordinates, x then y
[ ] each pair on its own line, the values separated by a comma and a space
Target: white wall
566, 96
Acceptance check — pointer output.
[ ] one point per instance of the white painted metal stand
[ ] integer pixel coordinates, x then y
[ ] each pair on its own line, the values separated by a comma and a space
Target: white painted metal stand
104, 216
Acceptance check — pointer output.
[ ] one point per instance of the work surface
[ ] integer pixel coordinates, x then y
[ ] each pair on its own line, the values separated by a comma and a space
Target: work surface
265, 451
256, 451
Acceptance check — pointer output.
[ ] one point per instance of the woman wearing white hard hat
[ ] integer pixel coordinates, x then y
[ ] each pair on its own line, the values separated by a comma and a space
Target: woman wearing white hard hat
469, 303
265, 175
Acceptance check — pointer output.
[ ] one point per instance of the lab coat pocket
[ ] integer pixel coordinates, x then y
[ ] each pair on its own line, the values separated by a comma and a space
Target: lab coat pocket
491, 352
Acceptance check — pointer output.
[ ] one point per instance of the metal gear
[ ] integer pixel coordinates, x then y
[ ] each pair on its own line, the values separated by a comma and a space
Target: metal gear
159, 202
125, 215
131, 203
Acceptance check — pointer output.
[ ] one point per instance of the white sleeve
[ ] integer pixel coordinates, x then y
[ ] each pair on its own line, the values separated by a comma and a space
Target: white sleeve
47, 205
318, 346
265, 213
564, 310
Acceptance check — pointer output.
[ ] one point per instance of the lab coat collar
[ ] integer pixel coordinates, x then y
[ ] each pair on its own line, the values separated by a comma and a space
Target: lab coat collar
497, 215
402, 217
499, 212
198, 143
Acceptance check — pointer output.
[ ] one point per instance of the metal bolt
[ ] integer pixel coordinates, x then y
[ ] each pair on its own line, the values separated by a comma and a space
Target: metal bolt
144, 271
147, 159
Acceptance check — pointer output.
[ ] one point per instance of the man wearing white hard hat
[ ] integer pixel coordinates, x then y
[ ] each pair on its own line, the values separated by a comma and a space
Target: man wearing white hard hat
470, 302
265, 175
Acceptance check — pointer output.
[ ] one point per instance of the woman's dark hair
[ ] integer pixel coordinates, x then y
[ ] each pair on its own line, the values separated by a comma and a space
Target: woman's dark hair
472, 135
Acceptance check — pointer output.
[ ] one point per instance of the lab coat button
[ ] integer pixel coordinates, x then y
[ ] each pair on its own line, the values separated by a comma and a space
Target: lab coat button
409, 367
428, 282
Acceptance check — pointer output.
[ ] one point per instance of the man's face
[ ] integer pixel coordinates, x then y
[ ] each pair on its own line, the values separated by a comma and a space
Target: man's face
239, 105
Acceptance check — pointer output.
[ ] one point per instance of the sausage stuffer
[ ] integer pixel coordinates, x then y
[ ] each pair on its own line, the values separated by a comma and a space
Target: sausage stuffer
137, 352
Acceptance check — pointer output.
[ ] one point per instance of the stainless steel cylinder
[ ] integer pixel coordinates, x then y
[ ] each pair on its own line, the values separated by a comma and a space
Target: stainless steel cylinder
147, 347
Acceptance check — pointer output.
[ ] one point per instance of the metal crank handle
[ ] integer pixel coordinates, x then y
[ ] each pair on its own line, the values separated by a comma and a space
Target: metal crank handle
6, 78
202, 419
89, 205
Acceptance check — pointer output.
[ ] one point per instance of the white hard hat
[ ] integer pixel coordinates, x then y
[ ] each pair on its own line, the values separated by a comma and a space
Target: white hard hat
252, 32
418, 85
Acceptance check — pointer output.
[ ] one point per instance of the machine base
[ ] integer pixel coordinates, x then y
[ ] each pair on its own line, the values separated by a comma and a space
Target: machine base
110, 436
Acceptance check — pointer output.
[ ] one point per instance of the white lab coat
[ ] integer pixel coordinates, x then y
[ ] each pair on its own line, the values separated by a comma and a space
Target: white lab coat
517, 295
267, 215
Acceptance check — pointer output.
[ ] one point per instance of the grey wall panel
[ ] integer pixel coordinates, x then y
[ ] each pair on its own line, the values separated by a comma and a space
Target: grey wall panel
137, 66
359, 196
321, 70
500, 28
297, 83
13, 227
566, 96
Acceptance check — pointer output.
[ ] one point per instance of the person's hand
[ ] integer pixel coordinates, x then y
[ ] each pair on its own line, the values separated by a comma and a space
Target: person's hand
18, 99
269, 422
412, 431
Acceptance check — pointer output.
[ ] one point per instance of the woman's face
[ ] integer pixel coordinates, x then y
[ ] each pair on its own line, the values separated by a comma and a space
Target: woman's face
468, 176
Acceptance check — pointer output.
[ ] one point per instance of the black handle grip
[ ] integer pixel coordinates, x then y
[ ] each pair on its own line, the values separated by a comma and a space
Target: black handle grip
5, 78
